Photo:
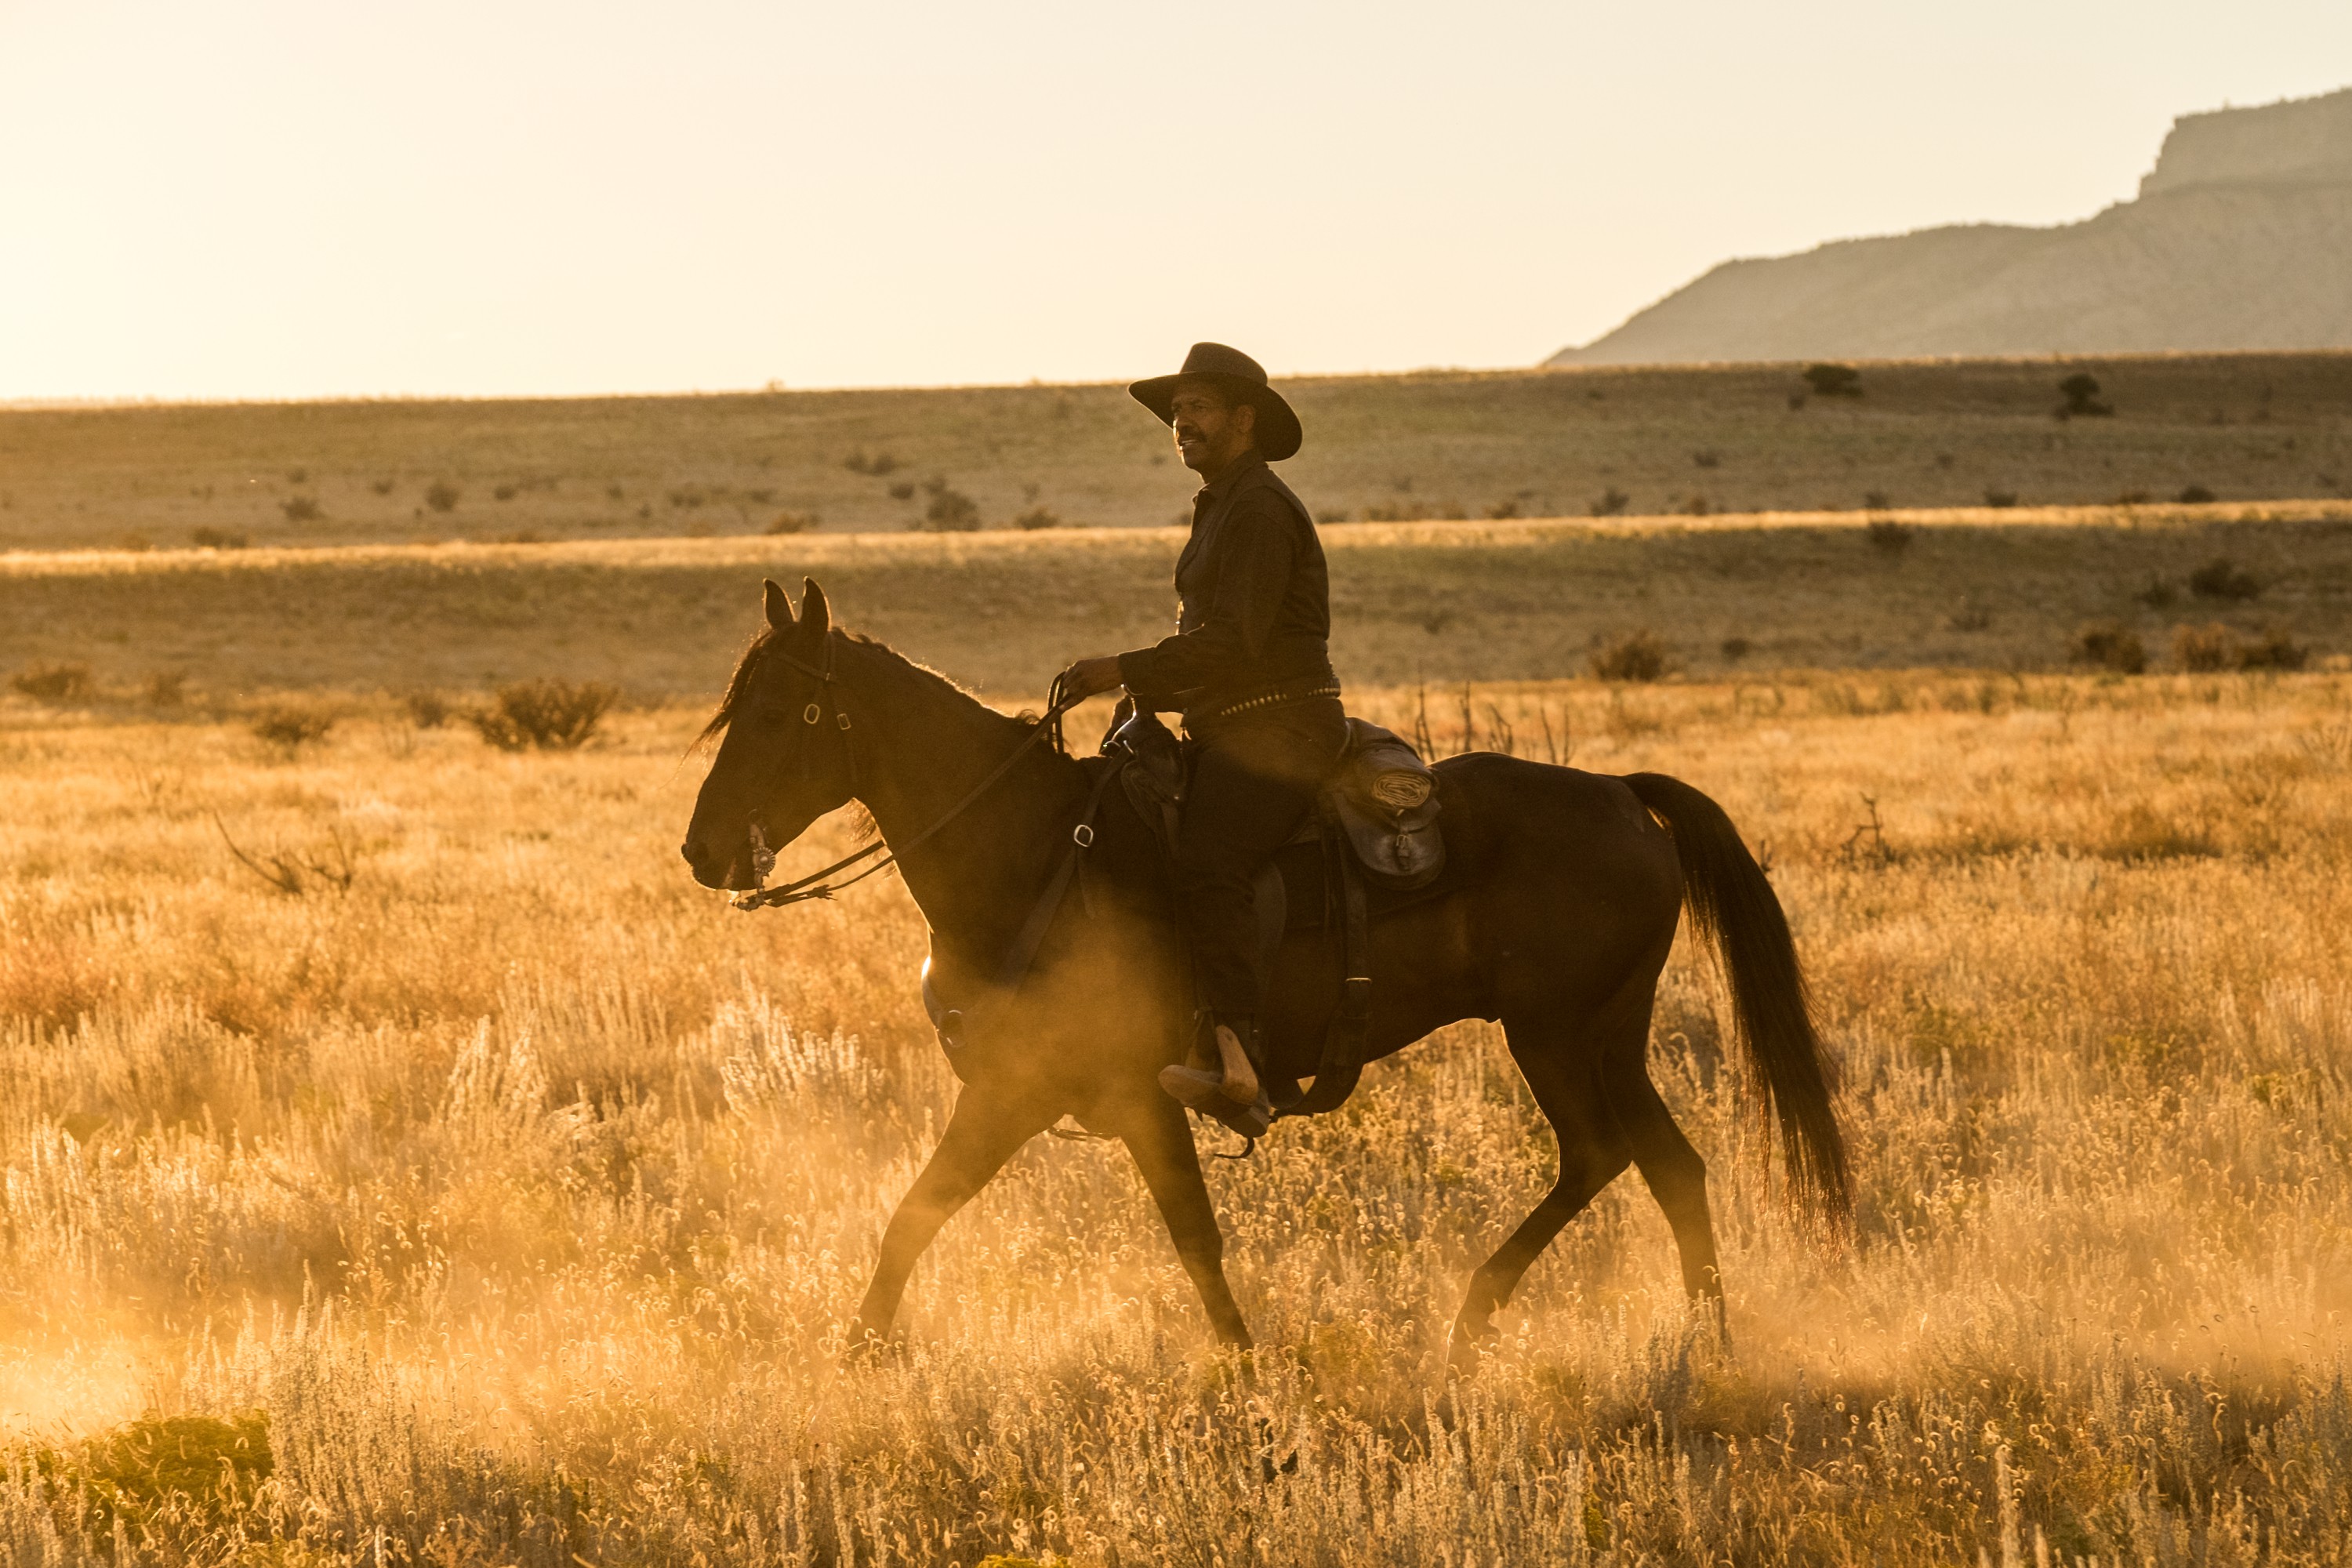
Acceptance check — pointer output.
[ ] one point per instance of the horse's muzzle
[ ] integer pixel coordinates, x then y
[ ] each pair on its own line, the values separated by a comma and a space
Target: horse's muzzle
732, 873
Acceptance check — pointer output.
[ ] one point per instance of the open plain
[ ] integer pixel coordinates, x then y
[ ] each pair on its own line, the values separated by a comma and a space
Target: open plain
1622, 439
405, 1162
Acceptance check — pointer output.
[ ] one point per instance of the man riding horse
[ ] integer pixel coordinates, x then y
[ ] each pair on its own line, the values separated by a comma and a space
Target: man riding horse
1249, 667
1560, 904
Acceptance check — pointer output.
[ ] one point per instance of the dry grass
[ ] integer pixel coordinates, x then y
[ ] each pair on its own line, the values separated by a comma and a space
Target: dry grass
1723, 438
1493, 600
523, 1189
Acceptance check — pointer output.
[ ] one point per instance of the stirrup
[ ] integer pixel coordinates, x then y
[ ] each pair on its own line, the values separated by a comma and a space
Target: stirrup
1204, 1092
1250, 1121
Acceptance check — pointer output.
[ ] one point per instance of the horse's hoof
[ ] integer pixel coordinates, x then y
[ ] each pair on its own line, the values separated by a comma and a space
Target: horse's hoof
1472, 1344
865, 1347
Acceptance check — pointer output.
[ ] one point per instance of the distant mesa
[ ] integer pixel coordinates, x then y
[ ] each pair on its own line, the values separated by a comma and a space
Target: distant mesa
2239, 238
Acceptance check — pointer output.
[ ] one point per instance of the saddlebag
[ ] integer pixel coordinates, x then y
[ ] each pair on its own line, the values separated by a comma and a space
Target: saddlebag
1386, 799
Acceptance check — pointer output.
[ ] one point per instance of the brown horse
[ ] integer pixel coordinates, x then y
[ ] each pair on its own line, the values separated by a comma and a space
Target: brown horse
1554, 916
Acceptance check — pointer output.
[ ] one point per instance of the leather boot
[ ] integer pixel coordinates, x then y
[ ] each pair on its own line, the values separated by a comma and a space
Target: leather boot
1229, 1091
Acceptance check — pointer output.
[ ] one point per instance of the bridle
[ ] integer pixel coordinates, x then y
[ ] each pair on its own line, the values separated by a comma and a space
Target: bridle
814, 885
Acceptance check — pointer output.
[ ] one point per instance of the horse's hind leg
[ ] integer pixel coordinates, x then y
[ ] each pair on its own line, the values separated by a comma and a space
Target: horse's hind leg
1563, 1068
1674, 1172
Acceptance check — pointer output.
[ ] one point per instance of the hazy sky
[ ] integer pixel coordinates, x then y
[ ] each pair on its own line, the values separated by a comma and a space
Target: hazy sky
238, 199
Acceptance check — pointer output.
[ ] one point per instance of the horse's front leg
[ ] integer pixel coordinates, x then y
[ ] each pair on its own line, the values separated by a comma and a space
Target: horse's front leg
1161, 1142
987, 1128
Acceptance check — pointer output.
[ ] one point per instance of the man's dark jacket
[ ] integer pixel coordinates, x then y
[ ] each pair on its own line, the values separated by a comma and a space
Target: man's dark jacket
1255, 601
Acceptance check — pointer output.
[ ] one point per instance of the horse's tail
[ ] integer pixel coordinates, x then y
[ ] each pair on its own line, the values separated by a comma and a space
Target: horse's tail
1733, 910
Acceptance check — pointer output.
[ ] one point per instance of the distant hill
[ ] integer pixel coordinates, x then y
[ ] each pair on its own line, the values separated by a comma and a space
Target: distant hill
2241, 239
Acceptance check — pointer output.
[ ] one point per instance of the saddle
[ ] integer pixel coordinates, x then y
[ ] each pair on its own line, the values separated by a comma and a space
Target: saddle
1376, 822
1382, 796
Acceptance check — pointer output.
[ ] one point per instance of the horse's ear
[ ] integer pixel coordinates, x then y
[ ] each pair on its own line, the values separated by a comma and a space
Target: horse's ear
816, 618
779, 608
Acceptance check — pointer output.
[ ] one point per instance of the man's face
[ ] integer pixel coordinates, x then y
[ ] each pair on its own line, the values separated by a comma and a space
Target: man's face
1210, 432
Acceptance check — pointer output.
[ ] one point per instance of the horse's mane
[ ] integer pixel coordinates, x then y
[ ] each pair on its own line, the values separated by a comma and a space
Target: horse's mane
738, 682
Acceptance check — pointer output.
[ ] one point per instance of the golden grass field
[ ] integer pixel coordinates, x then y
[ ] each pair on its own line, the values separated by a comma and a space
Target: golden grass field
1924, 434
1002, 610
500, 1197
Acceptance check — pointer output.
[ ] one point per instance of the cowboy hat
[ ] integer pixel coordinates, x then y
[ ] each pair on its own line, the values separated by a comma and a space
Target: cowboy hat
1277, 427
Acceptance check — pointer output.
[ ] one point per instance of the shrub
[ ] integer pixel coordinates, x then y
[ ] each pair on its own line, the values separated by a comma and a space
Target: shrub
2205, 648
523, 536
1969, 617
426, 710
2272, 650
949, 511
612, 492
55, 682
300, 872
291, 728
381, 486
165, 689
1695, 507
2112, 647
1332, 514
1876, 500
2158, 595
1887, 534
1998, 498
687, 497
759, 496
2081, 391
1503, 511
903, 489
298, 476
2133, 498
502, 492
1610, 502
552, 715
301, 509
161, 1477
442, 496
794, 521
2193, 495
2218, 579
218, 539
1636, 656
1834, 380
1038, 517
1708, 458
1736, 648
880, 464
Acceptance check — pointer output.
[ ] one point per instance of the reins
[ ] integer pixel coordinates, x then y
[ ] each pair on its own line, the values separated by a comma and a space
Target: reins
813, 885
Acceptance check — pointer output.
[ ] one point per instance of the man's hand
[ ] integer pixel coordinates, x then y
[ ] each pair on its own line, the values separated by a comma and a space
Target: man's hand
1089, 675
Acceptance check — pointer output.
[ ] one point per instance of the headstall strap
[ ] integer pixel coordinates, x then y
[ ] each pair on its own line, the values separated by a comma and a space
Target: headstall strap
815, 886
